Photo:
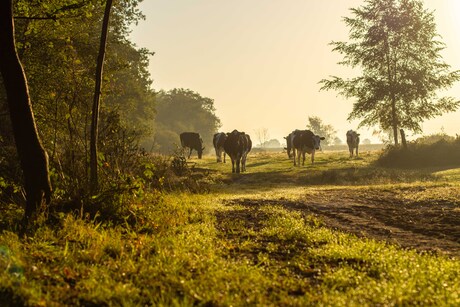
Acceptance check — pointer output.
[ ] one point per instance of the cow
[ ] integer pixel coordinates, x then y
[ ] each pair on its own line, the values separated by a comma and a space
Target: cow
288, 145
237, 146
352, 141
218, 142
192, 141
305, 141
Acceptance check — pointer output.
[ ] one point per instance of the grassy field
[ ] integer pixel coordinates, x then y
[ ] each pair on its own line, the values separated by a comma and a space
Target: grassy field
341, 232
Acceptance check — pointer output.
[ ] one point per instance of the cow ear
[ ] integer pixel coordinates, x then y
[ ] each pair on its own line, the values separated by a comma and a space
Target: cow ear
203, 148
358, 134
322, 138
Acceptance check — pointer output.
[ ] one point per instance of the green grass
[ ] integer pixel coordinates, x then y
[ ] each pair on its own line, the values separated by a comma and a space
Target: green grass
227, 247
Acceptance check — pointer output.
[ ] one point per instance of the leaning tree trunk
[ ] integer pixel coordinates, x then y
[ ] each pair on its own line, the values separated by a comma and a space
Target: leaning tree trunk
32, 155
94, 182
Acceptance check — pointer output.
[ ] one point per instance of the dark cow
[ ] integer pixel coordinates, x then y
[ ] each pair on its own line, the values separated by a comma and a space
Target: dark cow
305, 141
352, 141
288, 145
192, 141
237, 146
218, 142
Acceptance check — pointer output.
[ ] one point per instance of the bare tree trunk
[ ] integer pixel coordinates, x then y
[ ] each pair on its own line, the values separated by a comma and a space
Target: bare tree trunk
32, 155
94, 183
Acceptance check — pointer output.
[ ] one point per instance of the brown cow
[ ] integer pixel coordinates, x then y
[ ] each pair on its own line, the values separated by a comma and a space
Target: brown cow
305, 141
237, 146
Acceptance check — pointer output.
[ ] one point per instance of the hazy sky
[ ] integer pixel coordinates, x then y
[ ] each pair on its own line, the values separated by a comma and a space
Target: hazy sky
261, 60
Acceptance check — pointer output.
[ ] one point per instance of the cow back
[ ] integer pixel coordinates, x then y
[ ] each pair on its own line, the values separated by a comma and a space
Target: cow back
302, 138
234, 143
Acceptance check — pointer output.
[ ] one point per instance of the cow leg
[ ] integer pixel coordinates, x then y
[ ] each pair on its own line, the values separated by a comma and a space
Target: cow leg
303, 158
189, 153
238, 161
224, 156
243, 163
313, 157
233, 165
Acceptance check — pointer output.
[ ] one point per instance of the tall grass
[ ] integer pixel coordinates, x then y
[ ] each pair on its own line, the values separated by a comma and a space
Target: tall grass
177, 248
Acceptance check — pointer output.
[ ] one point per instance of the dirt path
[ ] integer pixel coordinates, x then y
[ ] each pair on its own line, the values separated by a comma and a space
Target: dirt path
422, 226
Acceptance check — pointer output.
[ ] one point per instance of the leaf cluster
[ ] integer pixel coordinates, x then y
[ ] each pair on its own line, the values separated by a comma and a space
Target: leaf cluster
395, 46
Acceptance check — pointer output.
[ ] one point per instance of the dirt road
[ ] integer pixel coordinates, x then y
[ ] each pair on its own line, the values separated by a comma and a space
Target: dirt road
422, 225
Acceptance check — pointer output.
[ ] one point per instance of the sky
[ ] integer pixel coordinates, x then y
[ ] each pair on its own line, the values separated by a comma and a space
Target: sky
261, 60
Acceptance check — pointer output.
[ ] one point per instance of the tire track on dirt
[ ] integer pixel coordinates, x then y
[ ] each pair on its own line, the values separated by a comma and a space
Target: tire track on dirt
424, 227
395, 225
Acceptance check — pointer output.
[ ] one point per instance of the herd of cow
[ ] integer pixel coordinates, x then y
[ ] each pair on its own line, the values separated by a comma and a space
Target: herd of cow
237, 145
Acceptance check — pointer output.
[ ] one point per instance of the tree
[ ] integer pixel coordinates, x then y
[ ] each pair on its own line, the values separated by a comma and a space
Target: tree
181, 110
97, 97
59, 56
394, 43
262, 136
337, 141
273, 143
316, 125
32, 155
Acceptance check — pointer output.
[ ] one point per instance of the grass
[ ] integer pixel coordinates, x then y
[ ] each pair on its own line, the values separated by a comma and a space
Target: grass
237, 244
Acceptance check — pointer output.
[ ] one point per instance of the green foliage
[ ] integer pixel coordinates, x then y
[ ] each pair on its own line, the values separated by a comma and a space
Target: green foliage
434, 138
423, 153
181, 110
394, 43
59, 51
179, 162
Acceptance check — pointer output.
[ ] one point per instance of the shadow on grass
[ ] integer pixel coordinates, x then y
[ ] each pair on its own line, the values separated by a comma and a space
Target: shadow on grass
334, 176
257, 164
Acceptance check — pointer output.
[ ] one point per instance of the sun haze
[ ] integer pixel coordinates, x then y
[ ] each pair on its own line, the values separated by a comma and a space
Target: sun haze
261, 61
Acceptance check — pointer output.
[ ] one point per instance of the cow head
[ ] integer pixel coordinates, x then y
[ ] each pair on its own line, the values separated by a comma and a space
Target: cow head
317, 141
200, 152
288, 147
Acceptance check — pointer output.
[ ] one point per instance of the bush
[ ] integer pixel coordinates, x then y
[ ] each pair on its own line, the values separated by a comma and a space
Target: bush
422, 153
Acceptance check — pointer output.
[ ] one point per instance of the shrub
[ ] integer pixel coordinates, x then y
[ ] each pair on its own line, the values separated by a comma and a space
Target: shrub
422, 153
